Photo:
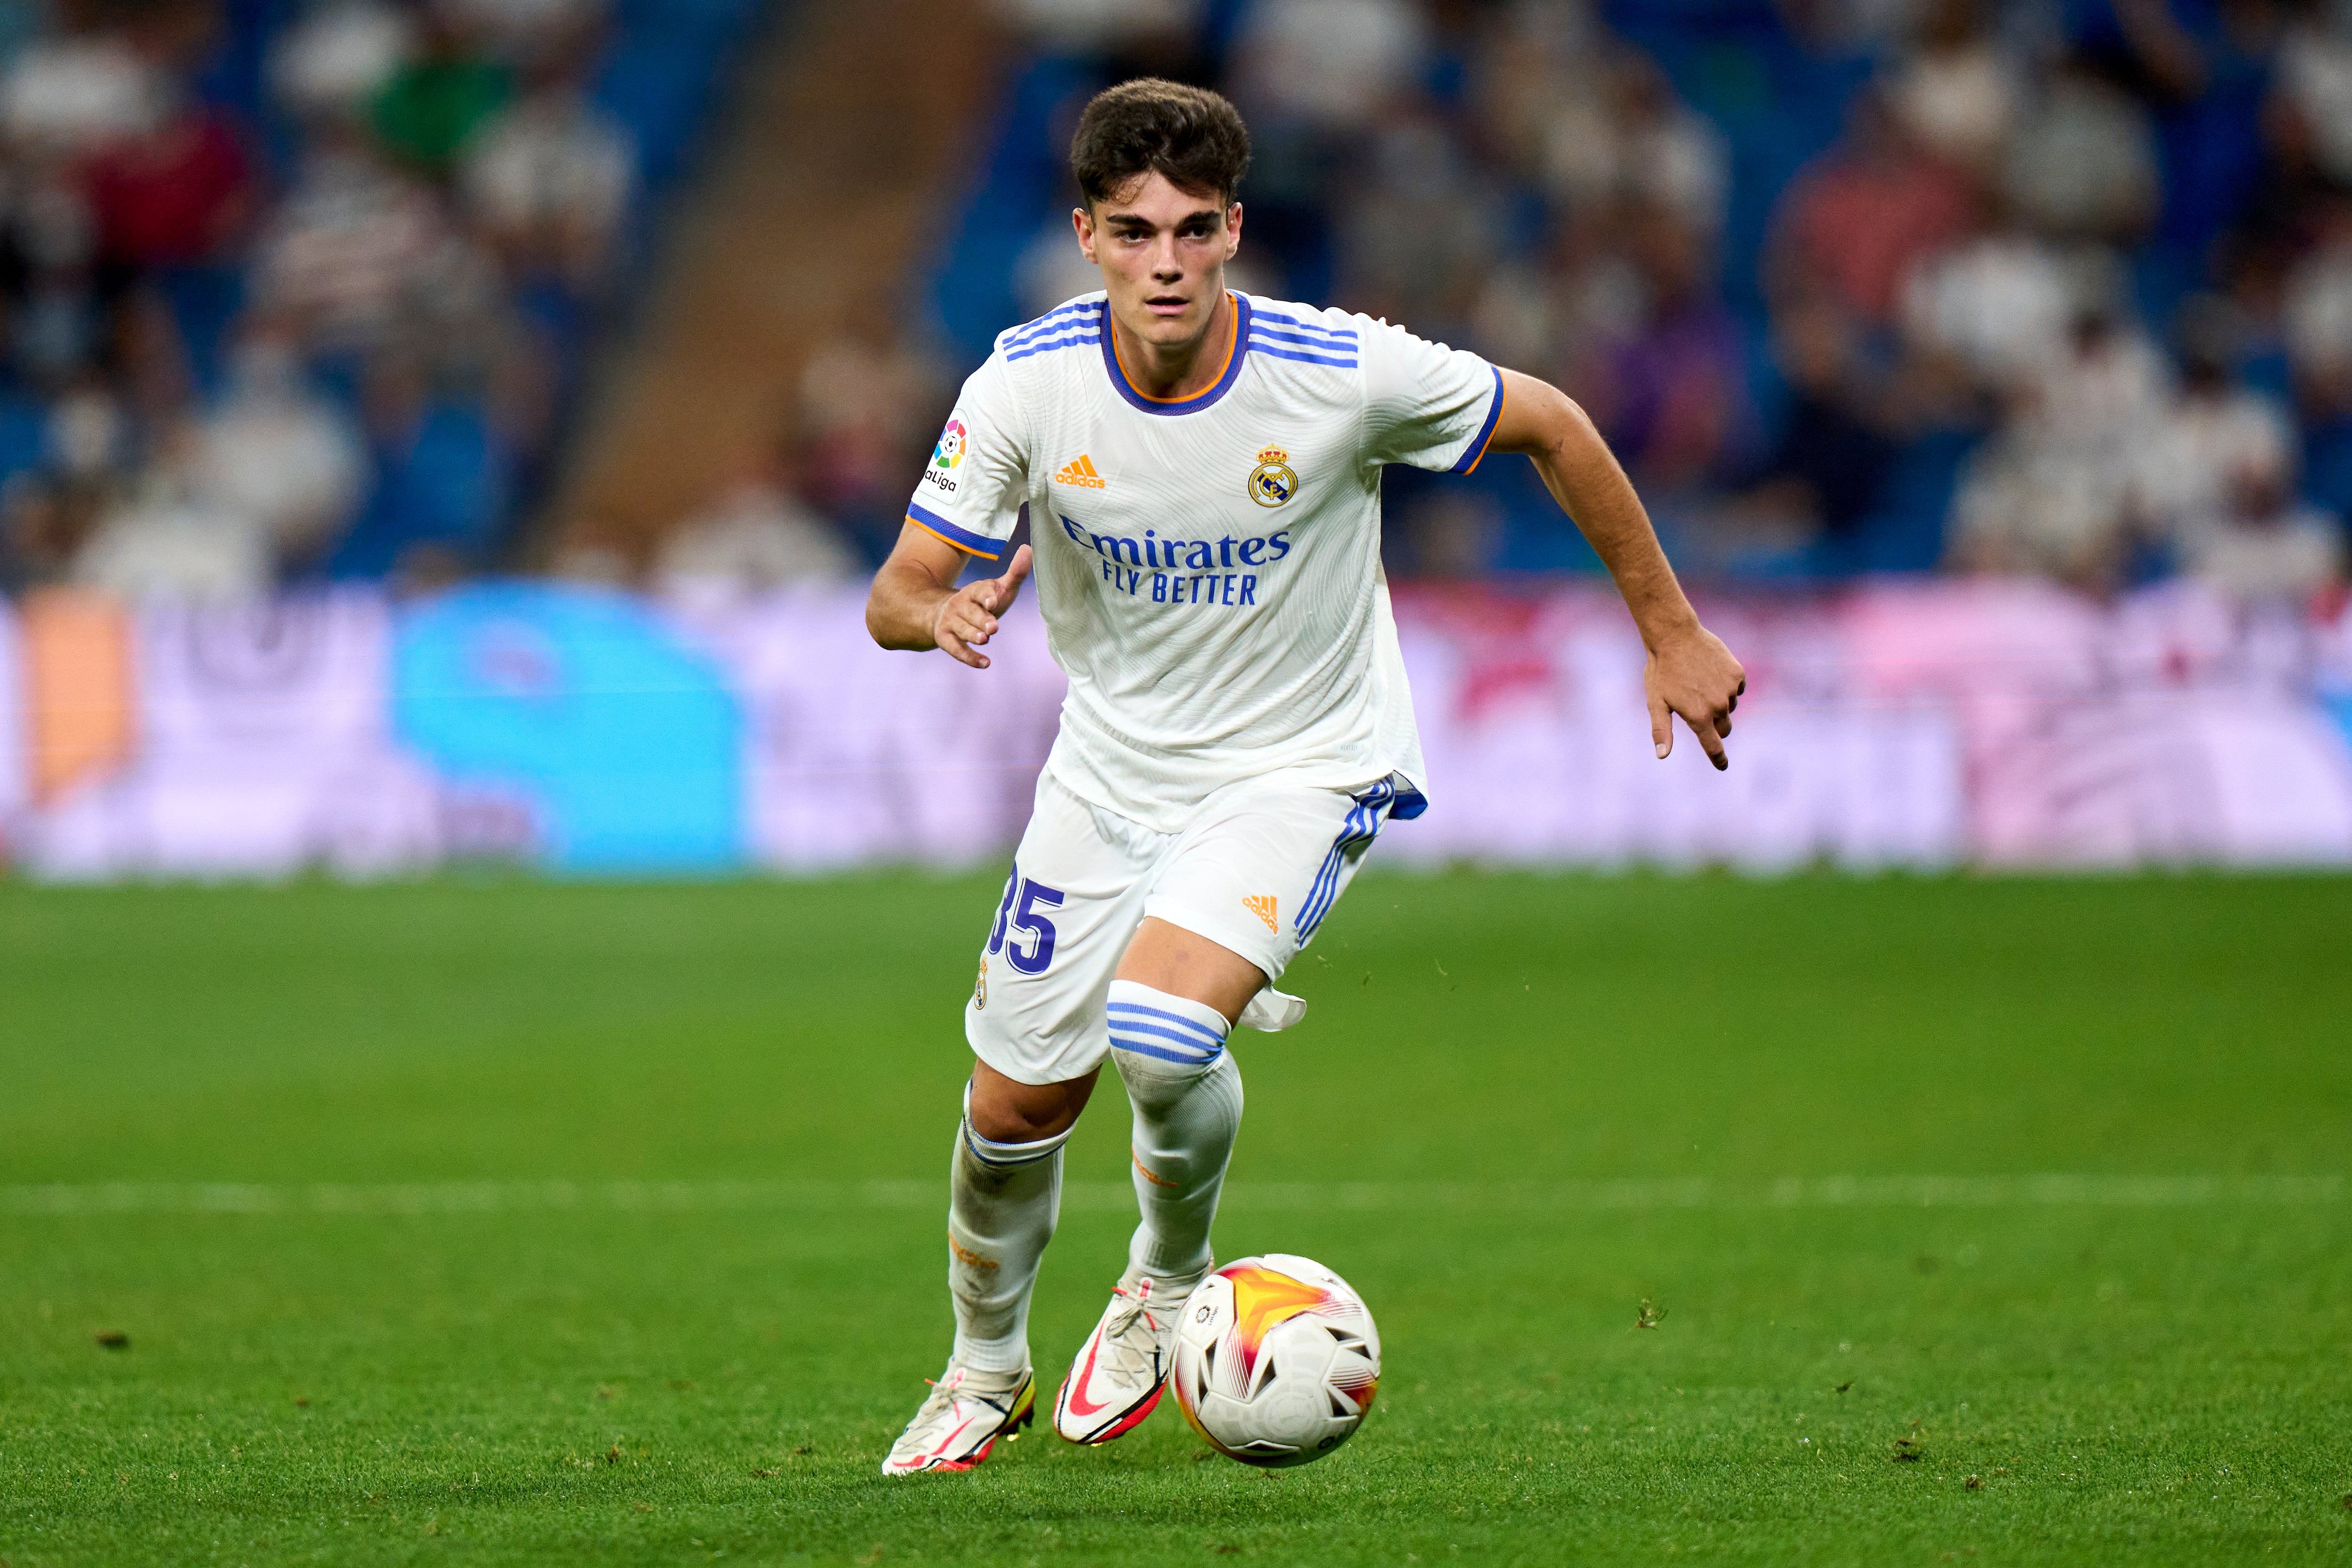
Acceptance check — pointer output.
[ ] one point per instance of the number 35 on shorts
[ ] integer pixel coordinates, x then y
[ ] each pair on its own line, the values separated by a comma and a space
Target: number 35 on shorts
1022, 933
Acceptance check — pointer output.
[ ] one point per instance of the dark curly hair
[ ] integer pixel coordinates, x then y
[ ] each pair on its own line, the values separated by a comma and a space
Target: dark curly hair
1190, 134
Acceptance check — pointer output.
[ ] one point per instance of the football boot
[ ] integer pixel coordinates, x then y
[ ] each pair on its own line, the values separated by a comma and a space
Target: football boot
1122, 1368
967, 1412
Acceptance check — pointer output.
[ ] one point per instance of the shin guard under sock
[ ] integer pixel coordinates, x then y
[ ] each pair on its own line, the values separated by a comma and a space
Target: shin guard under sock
1002, 1201
1187, 1095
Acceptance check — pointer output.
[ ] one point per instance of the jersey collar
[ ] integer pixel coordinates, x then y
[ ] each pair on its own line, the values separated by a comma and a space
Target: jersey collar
1225, 379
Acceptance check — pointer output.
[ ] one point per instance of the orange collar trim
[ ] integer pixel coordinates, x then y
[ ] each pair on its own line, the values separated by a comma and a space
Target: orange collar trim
1233, 342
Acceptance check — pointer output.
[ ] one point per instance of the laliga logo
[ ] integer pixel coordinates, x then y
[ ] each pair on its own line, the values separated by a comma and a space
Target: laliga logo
950, 452
1272, 483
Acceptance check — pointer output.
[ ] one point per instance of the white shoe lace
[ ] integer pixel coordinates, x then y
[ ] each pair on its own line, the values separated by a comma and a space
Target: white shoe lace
1130, 1357
951, 1388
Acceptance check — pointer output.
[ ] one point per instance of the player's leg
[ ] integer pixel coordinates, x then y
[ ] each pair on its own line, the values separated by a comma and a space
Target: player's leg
1233, 901
1034, 1025
1169, 1011
1174, 1001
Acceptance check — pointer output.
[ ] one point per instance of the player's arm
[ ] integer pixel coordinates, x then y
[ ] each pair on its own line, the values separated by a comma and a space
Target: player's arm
916, 604
1689, 671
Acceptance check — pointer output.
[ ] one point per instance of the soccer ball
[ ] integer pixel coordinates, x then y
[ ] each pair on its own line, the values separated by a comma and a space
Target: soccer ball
1276, 1360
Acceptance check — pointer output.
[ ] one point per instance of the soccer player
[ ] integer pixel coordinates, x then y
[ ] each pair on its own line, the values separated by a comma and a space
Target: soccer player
1202, 470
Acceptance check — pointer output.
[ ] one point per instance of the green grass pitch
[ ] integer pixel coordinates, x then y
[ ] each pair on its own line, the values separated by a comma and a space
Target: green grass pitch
1981, 1221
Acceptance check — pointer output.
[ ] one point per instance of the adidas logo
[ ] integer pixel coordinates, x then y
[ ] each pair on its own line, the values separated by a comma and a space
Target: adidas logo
1262, 906
1080, 473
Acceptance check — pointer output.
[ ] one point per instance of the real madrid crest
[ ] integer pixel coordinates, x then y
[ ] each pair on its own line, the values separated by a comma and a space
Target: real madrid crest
1272, 482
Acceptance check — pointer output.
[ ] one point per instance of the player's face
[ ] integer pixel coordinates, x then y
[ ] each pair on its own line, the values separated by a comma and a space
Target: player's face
1163, 252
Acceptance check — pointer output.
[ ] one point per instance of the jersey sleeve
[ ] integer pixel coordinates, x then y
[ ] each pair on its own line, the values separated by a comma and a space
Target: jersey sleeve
978, 475
1427, 405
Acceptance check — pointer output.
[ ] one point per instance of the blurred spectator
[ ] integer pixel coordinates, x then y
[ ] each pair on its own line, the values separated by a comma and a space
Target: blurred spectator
2262, 545
341, 54
88, 438
58, 330
550, 178
2060, 492
758, 537
276, 453
2101, 395
1856, 223
164, 539
862, 392
2001, 304
74, 93
1334, 65
2028, 509
1052, 269
1418, 239
1958, 94
173, 194
1673, 396
1633, 140
2217, 439
1534, 63
2314, 77
435, 102
1830, 466
2082, 163
348, 244
51, 510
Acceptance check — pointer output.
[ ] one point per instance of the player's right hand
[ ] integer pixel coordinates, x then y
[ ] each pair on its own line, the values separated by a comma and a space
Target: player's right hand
967, 618
1694, 675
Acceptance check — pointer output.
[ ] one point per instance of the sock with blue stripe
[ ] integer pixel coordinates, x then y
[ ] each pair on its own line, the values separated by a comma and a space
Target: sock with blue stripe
1002, 1201
1187, 1095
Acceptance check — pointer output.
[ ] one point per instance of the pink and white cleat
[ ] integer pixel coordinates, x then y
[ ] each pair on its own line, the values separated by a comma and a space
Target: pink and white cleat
1122, 1368
967, 1412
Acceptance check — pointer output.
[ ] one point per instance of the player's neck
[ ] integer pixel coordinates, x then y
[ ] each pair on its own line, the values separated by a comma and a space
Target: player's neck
1171, 373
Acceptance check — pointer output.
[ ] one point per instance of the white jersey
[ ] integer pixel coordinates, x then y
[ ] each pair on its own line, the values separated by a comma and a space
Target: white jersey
1208, 568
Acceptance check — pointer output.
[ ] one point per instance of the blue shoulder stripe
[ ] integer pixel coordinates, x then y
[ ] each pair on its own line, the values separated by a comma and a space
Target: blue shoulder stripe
1298, 340
1051, 321
1347, 332
1259, 345
1084, 333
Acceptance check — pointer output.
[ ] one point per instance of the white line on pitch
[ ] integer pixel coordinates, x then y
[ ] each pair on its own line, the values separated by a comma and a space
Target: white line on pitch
1625, 1193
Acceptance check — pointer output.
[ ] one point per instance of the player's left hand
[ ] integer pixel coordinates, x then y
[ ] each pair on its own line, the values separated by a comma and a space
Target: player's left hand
967, 618
1693, 675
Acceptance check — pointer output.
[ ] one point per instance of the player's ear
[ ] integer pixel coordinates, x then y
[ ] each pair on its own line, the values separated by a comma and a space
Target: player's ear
1083, 222
1232, 230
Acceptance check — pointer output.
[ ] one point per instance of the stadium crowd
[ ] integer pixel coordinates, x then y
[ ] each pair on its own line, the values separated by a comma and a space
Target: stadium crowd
2051, 286
292, 291
296, 291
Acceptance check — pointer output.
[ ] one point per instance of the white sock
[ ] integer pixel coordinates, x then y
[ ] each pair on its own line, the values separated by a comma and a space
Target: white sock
1003, 1200
1187, 1095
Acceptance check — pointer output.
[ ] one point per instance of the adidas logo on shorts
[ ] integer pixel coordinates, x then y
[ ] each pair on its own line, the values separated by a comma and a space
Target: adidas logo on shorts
1080, 473
1262, 906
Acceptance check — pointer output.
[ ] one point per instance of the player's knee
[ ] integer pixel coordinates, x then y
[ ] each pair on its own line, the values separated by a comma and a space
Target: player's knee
1005, 1110
1163, 1043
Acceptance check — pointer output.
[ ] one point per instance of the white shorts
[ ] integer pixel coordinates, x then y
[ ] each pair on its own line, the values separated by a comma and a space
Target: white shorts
1255, 871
